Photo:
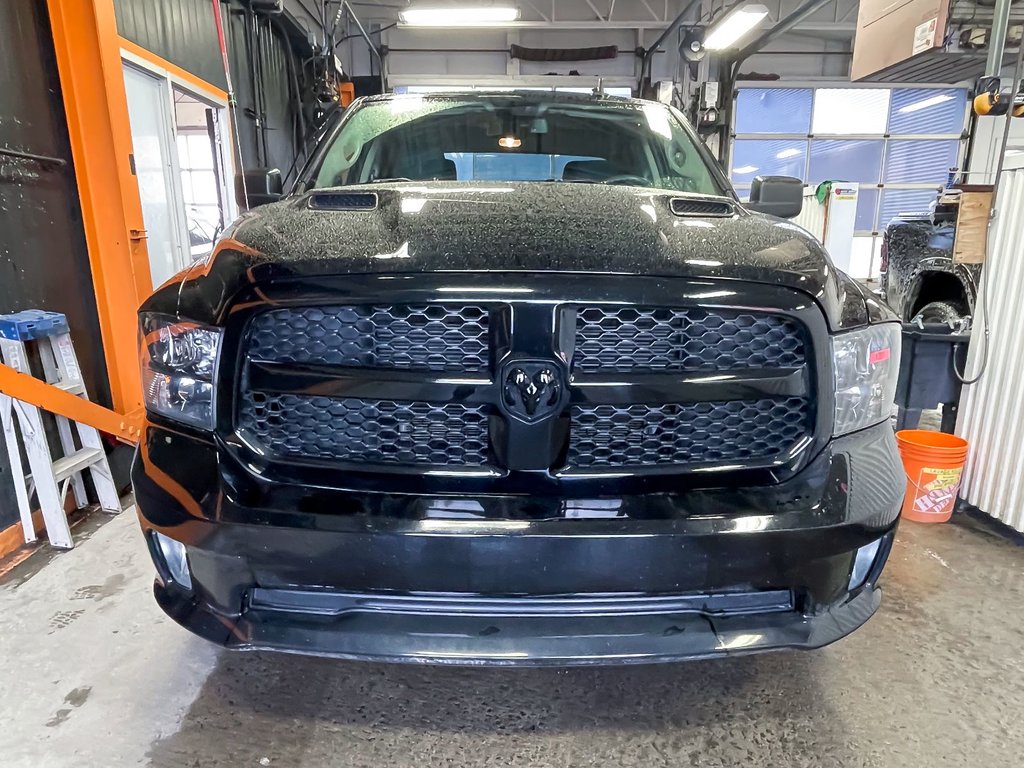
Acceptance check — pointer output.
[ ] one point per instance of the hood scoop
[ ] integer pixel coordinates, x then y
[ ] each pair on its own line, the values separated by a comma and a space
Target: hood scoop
343, 201
689, 206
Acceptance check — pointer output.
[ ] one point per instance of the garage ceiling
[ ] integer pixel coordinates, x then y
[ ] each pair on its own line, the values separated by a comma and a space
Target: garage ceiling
839, 17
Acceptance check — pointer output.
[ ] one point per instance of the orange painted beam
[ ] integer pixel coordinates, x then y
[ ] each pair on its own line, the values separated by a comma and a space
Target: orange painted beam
35, 392
88, 52
201, 86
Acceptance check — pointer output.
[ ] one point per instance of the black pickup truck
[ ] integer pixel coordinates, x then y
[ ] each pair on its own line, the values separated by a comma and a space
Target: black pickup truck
516, 379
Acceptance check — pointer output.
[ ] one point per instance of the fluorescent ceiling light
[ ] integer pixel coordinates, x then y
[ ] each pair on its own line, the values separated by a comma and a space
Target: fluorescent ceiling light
787, 153
459, 16
727, 32
745, 169
931, 101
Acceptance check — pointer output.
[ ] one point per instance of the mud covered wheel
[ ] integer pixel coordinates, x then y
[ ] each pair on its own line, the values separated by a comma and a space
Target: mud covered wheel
940, 312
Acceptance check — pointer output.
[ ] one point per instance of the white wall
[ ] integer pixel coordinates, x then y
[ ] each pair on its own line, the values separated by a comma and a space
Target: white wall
991, 414
822, 59
445, 61
987, 140
417, 55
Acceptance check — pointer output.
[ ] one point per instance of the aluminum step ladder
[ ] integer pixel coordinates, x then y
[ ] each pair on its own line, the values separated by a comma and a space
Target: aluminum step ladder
50, 479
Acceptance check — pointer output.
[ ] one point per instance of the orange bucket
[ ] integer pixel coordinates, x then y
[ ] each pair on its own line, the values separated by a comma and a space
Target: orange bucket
934, 463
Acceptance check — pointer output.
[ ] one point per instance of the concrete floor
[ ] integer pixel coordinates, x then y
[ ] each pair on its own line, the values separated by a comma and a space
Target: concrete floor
95, 675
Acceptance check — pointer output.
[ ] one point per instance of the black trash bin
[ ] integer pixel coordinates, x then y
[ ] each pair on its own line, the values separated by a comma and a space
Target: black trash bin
927, 377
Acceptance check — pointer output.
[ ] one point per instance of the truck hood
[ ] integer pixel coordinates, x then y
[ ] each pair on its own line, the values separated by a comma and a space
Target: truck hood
536, 227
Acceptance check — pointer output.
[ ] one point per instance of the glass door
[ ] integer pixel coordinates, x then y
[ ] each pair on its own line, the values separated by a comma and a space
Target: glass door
156, 171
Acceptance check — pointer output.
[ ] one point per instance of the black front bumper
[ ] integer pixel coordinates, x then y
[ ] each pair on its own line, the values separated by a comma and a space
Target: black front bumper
642, 578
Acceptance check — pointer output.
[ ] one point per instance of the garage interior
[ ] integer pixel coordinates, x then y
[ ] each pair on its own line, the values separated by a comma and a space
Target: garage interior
127, 128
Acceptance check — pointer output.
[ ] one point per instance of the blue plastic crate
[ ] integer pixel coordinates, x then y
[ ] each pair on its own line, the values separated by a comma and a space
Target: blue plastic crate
32, 324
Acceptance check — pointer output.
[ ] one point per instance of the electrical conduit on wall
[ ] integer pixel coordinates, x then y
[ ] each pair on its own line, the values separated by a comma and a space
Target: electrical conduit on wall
991, 415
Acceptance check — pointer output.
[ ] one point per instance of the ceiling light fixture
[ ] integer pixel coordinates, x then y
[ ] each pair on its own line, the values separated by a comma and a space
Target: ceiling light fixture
737, 23
931, 101
459, 16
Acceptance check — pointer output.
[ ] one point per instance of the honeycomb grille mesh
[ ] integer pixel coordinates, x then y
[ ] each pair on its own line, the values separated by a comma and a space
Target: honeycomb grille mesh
636, 339
430, 337
367, 431
694, 433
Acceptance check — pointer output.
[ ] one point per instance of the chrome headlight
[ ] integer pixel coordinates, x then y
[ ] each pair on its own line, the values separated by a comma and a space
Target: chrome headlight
179, 364
867, 365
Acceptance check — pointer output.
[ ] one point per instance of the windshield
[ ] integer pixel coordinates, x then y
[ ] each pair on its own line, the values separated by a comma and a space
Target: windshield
510, 138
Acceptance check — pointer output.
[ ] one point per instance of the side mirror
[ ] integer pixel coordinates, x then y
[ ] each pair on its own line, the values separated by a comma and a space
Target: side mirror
781, 196
258, 186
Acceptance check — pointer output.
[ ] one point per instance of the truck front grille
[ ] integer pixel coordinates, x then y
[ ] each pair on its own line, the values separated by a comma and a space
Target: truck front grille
636, 339
427, 337
367, 431
695, 433
642, 387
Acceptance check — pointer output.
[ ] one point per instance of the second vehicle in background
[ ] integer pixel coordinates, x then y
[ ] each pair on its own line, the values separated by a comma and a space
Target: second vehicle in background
920, 280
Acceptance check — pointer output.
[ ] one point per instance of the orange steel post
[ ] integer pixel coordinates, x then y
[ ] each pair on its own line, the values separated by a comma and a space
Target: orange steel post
89, 62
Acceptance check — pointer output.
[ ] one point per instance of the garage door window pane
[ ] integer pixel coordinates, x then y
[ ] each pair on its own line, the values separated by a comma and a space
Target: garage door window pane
920, 161
927, 110
846, 160
773, 110
850, 111
867, 208
900, 201
756, 157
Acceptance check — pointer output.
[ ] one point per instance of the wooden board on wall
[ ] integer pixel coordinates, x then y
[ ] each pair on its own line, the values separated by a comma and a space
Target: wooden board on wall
972, 225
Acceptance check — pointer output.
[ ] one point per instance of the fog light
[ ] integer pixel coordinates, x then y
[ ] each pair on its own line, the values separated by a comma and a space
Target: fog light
173, 553
862, 563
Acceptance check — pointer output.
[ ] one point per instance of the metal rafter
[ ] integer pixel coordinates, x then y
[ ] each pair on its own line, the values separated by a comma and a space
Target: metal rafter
597, 13
839, 16
538, 11
650, 10
851, 11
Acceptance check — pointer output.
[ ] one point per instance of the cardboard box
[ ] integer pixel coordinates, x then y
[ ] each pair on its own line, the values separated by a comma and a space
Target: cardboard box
893, 31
